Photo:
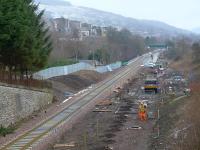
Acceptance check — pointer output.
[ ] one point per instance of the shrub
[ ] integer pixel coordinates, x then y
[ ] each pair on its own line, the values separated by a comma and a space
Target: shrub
6, 130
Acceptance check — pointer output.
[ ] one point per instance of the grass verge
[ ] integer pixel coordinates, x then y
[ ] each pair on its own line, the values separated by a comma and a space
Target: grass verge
6, 130
61, 63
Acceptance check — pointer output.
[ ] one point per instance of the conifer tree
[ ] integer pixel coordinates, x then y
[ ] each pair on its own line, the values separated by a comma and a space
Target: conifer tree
24, 41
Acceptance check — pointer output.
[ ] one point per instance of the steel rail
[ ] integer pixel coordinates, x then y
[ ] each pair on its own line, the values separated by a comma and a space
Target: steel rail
26, 140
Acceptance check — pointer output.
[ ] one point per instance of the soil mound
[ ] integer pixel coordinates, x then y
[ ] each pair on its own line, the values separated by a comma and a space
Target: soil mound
74, 82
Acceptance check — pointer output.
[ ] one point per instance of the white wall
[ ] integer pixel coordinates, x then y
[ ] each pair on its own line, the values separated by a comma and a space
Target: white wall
65, 70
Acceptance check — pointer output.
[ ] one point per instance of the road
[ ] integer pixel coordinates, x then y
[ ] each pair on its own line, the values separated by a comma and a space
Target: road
37, 138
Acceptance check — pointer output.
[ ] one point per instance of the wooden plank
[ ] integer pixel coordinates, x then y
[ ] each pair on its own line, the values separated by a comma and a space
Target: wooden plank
70, 145
104, 110
104, 103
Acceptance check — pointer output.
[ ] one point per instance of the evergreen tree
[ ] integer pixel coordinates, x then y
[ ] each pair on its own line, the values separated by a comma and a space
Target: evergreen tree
24, 41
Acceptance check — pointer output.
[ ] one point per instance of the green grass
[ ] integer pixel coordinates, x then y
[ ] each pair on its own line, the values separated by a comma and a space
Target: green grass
61, 63
6, 130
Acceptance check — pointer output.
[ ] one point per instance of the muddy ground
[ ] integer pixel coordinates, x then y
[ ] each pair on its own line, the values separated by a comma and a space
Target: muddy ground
171, 110
65, 85
116, 129
173, 121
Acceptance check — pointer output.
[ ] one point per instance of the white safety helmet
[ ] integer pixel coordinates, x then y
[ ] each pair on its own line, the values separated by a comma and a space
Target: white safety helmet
145, 104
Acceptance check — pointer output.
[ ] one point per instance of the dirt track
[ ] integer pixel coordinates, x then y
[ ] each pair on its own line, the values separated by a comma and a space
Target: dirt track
114, 129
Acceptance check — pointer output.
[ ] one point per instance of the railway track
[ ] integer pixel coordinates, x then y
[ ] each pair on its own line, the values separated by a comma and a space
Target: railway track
31, 138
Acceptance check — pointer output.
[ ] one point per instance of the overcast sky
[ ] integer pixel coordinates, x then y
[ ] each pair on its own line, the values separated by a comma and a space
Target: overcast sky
180, 13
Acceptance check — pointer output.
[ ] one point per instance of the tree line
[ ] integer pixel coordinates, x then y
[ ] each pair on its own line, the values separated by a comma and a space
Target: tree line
181, 46
196, 52
115, 46
24, 40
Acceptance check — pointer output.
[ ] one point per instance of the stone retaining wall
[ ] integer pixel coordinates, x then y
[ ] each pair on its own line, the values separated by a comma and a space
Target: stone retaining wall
18, 103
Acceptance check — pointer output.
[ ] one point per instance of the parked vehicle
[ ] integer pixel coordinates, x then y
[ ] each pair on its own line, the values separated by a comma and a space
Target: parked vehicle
151, 84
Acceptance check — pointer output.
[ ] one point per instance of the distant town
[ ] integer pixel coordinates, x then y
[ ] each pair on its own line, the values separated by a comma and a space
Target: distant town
78, 30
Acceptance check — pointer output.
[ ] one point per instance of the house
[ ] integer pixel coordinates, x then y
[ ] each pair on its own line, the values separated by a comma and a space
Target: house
76, 30
61, 25
73, 24
104, 31
86, 26
96, 31
85, 30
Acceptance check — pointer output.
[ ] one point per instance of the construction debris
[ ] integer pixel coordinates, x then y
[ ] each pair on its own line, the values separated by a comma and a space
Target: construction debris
151, 115
117, 90
134, 128
108, 148
102, 110
65, 146
104, 103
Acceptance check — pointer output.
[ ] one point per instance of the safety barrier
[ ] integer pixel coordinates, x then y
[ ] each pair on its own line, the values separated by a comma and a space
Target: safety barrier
65, 70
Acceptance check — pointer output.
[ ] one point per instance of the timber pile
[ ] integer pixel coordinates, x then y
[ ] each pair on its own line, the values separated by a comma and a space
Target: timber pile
102, 110
117, 90
65, 146
104, 103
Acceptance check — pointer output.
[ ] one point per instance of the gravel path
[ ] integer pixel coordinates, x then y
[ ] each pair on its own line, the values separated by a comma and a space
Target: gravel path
27, 124
97, 130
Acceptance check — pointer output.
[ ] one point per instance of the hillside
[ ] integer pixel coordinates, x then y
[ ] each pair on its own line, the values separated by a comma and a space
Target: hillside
60, 8
196, 30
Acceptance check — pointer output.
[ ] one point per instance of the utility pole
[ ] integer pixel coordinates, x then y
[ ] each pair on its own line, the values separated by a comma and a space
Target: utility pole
93, 58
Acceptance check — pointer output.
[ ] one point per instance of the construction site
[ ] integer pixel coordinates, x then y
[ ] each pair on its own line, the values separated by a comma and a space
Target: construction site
115, 123
100, 112
90, 75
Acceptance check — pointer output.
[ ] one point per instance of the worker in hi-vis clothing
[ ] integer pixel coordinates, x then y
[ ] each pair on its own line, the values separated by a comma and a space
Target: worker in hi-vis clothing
143, 111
